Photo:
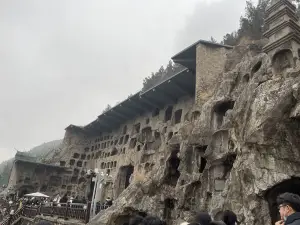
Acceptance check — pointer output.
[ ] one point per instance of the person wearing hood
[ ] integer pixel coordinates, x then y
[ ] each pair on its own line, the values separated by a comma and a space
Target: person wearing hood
289, 209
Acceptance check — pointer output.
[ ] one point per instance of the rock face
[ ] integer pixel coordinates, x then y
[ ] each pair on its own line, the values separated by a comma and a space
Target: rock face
223, 134
240, 153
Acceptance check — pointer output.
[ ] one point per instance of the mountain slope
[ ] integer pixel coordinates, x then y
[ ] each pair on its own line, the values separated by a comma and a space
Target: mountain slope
40, 152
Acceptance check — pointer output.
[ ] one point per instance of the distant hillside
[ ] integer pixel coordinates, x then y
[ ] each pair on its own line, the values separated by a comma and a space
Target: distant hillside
40, 152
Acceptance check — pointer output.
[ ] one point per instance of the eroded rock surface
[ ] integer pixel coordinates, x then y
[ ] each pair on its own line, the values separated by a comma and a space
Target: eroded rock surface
244, 142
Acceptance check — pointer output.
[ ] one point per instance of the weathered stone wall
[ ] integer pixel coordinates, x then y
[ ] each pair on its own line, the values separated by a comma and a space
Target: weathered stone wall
27, 177
138, 145
239, 154
210, 61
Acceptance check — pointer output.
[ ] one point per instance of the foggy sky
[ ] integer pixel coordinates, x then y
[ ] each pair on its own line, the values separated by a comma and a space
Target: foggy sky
63, 61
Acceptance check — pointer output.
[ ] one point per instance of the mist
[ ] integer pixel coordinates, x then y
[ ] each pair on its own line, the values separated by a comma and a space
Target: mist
62, 62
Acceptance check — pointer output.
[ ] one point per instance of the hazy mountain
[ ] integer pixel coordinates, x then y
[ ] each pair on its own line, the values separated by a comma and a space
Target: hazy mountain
41, 152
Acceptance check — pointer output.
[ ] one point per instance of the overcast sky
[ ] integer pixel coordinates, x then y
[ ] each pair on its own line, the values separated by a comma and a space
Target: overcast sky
63, 61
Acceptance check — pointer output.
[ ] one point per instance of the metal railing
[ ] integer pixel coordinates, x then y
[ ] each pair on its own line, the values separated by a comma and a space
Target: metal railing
63, 210
9, 219
100, 208
66, 211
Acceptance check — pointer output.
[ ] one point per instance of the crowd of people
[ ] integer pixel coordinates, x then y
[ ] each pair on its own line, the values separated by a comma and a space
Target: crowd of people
288, 206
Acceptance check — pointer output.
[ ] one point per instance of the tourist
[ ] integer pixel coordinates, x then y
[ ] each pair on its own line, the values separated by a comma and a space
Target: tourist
229, 217
289, 209
108, 202
202, 218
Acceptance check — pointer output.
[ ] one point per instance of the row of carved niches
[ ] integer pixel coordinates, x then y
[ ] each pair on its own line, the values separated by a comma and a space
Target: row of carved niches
174, 117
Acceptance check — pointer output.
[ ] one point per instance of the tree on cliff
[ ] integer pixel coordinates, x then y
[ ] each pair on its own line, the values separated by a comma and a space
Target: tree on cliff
251, 25
107, 108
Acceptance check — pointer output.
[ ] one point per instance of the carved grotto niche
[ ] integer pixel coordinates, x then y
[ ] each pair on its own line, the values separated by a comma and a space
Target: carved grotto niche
219, 113
169, 205
282, 60
200, 159
123, 178
172, 173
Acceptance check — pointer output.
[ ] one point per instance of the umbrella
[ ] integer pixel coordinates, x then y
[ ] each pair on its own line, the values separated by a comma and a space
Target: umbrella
37, 194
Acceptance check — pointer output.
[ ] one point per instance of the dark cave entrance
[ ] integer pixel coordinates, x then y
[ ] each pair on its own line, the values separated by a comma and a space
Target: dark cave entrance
220, 112
291, 185
123, 178
172, 173
169, 205
128, 170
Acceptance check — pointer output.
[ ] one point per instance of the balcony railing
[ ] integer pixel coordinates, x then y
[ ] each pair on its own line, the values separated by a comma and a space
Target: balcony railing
77, 211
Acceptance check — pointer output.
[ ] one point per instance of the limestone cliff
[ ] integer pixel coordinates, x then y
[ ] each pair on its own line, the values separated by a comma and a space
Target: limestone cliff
245, 141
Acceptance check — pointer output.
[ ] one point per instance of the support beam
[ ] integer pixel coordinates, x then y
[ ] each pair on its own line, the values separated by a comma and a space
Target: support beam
166, 95
116, 120
182, 90
123, 116
136, 106
105, 124
145, 100
132, 112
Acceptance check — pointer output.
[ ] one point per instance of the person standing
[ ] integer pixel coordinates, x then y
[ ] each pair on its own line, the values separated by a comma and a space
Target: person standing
289, 209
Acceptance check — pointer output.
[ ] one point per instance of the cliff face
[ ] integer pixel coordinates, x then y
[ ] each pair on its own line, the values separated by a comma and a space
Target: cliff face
240, 152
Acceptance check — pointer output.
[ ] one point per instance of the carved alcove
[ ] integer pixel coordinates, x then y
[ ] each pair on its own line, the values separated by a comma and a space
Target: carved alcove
169, 205
172, 173
282, 60
219, 112
123, 179
168, 113
201, 161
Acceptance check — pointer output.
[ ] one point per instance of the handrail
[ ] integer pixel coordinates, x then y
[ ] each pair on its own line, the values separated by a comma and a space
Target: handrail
12, 218
75, 211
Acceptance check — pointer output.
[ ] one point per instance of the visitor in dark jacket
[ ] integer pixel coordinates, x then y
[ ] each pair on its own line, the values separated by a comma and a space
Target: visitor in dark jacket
289, 209
202, 218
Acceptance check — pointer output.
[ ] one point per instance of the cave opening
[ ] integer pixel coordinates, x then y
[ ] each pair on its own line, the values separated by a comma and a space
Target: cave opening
220, 112
173, 174
124, 178
169, 205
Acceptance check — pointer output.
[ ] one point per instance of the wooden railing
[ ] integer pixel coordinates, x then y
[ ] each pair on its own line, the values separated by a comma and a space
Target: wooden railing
66, 211
63, 210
